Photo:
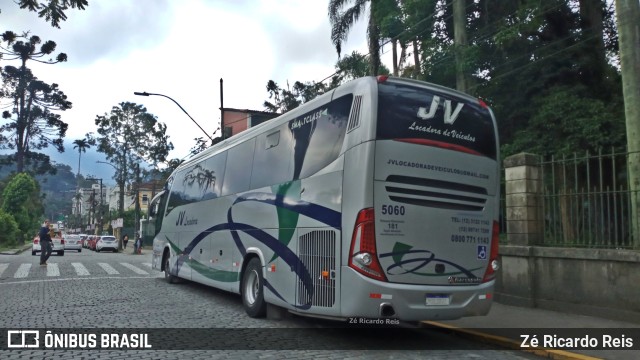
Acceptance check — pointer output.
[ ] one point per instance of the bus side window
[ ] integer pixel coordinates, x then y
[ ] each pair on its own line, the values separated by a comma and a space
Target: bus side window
272, 140
272, 161
319, 136
176, 196
237, 173
158, 209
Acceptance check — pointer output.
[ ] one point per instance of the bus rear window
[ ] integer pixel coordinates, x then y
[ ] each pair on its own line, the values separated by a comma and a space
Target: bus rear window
424, 116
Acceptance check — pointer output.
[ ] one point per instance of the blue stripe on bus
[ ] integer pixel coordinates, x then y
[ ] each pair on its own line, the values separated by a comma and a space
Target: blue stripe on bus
314, 211
320, 213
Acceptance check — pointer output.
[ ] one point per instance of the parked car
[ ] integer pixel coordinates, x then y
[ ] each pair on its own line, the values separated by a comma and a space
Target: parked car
91, 242
83, 240
72, 242
107, 243
57, 244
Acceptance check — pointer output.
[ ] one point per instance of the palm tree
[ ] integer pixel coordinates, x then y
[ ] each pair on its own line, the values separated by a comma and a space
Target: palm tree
342, 21
78, 201
82, 145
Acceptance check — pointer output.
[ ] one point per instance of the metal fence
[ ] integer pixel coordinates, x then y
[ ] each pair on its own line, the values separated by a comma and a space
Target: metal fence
586, 201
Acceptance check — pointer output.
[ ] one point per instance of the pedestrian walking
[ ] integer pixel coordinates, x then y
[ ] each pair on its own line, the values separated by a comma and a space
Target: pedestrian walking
136, 245
45, 243
125, 240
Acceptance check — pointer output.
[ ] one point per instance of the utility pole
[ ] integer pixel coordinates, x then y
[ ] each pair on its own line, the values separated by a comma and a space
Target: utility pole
137, 208
92, 215
221, 110
100, 210
628, 21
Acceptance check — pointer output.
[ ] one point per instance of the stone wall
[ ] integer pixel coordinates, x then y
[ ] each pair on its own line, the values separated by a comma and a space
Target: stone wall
598, 282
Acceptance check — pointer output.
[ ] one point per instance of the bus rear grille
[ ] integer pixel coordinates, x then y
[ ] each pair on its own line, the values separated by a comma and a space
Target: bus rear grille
436, 193
317, 251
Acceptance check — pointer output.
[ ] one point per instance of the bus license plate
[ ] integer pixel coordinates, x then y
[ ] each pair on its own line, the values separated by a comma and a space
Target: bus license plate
438, 300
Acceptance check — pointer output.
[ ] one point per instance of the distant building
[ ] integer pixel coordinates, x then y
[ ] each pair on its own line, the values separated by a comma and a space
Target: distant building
237, 120
89, 200
146, 192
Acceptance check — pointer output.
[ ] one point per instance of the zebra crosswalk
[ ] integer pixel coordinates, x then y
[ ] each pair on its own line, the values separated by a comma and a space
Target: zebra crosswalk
26, 271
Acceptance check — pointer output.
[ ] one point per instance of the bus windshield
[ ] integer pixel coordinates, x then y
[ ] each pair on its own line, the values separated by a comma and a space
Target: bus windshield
422, 115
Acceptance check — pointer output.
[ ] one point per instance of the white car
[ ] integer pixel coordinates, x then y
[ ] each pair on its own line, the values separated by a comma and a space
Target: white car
107, 243
83, 240
57, 245
72, 242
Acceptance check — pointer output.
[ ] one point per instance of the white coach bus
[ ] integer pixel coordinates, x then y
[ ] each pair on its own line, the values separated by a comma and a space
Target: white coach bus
378, 199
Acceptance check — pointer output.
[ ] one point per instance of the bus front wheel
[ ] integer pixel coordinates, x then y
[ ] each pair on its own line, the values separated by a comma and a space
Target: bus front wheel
253, 290
171, 279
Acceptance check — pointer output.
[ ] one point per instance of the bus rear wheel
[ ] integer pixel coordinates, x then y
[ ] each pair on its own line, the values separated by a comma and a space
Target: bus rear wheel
253, 290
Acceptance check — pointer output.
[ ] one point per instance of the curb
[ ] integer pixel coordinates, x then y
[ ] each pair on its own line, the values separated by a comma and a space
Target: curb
16, 251
509, 343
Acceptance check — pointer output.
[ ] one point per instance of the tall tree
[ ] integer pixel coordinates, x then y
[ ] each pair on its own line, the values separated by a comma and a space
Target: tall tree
342, 22
33, 123
82, 145
460, 43
628, 20
390, 18
127, 136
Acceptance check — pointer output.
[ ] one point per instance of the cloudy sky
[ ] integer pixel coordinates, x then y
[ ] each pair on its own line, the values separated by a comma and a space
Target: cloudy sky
181, 49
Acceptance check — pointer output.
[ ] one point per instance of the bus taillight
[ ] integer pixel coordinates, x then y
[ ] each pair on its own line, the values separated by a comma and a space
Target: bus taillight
363, 256
494, 264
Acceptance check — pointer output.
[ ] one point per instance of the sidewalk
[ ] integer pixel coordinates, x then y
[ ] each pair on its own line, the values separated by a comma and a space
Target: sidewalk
15, 251
504, 325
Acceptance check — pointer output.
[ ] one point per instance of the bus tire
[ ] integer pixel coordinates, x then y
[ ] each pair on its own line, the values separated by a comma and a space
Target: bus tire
171, 279
253, 290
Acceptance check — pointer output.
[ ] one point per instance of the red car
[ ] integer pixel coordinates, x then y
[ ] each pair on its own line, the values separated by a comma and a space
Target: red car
92, 239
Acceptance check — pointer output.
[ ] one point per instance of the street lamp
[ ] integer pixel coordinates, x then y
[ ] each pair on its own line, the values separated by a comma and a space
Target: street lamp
181, 108
108, 163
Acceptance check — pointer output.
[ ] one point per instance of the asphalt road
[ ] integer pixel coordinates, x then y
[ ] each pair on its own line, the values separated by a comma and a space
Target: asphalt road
113, 292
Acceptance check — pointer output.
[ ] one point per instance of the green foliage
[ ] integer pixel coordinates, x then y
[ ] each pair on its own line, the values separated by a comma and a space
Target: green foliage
21, 199
567, 120
289, 99
348, 68
353, 66
342, 19
58, 190
129, 135
9, 231
33, 123
129, 218
541, 66
54, 10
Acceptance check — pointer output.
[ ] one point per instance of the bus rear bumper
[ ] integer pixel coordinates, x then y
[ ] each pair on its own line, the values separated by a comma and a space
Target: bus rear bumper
368, 298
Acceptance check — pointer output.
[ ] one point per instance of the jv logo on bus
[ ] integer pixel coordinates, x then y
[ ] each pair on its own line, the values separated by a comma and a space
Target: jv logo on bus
182, 219
449, 118
181, 215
